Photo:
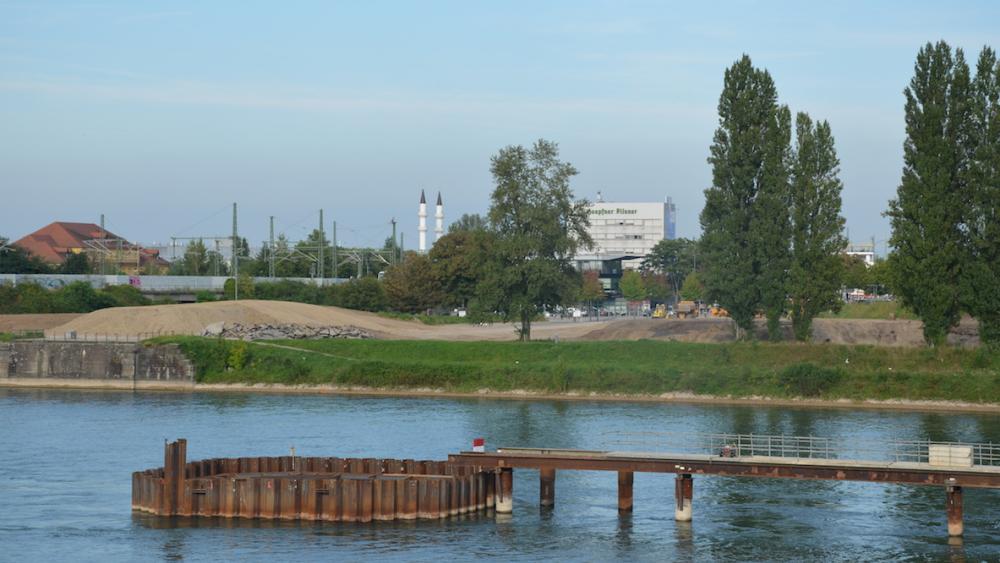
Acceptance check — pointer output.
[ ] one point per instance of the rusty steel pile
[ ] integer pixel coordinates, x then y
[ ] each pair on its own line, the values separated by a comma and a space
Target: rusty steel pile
313, 488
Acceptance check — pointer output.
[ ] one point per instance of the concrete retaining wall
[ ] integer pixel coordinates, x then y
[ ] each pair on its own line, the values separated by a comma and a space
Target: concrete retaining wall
90, 364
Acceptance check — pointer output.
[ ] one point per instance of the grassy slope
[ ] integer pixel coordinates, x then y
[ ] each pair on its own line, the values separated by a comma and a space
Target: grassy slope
884, 310
647, 367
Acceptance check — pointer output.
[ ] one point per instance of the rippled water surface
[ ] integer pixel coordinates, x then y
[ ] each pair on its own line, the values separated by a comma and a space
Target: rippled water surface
66, 459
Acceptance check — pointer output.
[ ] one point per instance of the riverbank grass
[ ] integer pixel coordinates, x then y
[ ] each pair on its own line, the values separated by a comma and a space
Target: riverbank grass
738, 370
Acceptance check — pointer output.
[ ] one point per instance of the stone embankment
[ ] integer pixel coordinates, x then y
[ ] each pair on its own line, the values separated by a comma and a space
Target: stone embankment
40, 363
240, 331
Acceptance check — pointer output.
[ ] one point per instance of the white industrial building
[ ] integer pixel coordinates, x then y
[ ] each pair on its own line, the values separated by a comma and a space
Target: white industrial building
630, 228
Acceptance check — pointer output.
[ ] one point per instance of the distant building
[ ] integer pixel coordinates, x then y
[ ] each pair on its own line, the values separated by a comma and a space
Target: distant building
863, 250
56, 241
608, 267
630, 228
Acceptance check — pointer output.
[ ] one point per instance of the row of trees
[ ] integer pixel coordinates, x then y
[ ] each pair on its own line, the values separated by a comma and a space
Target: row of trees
772, 230
946, 214
16, 260
77, 297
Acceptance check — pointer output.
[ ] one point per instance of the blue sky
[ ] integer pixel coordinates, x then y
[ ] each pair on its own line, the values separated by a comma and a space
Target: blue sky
161, 114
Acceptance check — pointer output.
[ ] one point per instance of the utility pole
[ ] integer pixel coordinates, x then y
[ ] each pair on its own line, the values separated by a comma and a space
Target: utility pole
322, 242
335, 263
236, 258
270, 251
401, 245
104, 236
393, 221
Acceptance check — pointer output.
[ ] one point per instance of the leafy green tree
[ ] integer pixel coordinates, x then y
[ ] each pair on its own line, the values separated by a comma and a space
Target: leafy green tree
196, 259
658, 287
412, 286
125, 296
880, 277
537, 227
469, 222
591, 289
854, 272
365, 294
76, 263
817, 226
289, 290
692, 290
927, 211
981, 208
8, 298
81, 297
745, 230
16, 260
33, 298
674, 258
305, 262
246, 287
631, 286
459, 259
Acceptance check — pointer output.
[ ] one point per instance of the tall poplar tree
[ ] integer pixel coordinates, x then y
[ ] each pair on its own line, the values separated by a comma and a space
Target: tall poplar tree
771, 226
817, 225
981, 271
926, 214
743, 209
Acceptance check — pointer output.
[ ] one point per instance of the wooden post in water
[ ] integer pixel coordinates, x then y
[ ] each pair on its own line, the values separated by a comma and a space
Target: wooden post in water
954, 507
546, 486
505, 491
684, 492
625, 491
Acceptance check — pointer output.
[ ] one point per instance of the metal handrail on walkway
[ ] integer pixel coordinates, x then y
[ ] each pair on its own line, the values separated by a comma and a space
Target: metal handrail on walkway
964, 454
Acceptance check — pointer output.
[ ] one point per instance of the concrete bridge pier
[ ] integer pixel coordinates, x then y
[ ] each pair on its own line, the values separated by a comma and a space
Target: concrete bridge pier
954, 506
625, 491
546, 486
505, 491
684, 493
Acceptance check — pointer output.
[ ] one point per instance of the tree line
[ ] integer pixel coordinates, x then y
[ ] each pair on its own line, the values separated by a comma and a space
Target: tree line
772, 230
945, 223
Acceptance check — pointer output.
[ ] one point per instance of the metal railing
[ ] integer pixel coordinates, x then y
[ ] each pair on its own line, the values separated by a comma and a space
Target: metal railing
952, 454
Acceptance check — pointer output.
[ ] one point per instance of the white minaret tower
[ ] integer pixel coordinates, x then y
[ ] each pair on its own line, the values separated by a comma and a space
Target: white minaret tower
422, 224
439, 220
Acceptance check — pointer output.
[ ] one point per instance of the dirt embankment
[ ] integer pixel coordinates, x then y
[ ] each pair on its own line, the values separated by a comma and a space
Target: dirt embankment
833, 331
193, 318
19, 323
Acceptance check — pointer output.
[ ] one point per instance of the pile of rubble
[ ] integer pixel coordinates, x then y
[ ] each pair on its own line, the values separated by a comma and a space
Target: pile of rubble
283, 331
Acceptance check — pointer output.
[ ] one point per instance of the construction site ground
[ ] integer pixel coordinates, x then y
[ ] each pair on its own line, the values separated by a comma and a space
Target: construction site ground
193, 318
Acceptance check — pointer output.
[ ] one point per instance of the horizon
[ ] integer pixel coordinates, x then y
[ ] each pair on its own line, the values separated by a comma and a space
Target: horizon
161, 118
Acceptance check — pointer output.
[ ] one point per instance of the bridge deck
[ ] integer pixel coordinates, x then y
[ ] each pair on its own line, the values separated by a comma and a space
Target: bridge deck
739, 466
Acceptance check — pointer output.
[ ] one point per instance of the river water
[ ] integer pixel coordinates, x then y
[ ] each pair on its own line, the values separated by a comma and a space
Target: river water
66, 458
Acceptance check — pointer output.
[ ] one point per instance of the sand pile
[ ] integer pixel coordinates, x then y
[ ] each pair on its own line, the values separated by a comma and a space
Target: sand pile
193, 318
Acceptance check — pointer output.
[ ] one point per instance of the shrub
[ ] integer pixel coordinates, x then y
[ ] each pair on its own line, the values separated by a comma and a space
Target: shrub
204, 296
125, 296
81, 297
808, 380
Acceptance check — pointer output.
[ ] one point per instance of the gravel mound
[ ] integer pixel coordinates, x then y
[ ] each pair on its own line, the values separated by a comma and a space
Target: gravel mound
283, 331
